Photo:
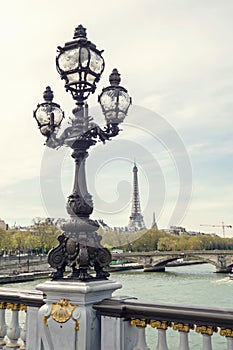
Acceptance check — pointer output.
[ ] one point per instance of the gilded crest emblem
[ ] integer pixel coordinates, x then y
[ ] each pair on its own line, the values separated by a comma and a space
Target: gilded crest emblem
62, 311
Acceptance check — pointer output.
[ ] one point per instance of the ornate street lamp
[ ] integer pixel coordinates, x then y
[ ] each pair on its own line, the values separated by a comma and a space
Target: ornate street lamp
80, 64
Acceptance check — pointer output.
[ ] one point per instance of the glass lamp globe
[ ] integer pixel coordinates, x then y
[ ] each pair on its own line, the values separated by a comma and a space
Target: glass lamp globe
48, 114
114, 100
80, 64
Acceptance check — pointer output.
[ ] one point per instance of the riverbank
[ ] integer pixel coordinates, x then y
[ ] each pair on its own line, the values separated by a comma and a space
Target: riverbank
24, 277
31, 276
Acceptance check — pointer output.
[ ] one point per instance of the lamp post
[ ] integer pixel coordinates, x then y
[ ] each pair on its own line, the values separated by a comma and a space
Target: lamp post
80, 64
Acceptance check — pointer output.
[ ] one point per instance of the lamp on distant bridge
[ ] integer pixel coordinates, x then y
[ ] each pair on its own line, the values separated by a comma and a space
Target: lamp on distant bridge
80, 64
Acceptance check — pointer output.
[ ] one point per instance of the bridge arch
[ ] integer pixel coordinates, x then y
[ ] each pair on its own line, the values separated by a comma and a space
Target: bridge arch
160, 261
157, 261
205, 259
160, 264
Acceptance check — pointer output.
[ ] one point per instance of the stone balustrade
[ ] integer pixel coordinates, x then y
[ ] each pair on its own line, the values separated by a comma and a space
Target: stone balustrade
125, 323
18, 318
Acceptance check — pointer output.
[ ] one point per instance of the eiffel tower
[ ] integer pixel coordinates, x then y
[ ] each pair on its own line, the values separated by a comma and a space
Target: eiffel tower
136, 221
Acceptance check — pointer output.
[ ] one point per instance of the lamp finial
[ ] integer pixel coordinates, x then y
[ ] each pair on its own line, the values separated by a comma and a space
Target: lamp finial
115, 77
80, 32
48, 94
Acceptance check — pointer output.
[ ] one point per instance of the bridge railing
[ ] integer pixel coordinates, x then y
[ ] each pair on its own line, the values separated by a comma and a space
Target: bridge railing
124, 322
18, 318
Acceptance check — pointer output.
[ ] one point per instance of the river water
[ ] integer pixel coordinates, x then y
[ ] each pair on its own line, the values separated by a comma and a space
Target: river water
185, 285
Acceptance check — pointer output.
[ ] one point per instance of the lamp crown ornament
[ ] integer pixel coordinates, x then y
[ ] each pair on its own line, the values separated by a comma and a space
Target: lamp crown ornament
80, 32
48, 94
80, 64
115, 77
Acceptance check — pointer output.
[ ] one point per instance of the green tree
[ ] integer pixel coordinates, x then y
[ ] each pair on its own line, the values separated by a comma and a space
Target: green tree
6, 240
45, 234
167, 243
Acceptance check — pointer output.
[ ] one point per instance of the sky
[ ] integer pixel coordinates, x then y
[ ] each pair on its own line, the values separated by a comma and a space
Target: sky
176, 60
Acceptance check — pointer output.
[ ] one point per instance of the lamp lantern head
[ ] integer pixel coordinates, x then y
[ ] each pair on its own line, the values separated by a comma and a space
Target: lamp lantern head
80, 64
48, 114
114, 100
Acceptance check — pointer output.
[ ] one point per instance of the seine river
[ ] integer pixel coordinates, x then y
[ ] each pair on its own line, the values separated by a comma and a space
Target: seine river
185, 285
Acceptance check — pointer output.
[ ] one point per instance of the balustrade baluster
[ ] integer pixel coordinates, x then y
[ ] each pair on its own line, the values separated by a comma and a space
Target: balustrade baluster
13, 331
183, 331
228, 334
32, 328
207, 344
141, 341
162, 337
162, 340
229, 343
141, 334
3, 327
207, 333
23, 331
184, 342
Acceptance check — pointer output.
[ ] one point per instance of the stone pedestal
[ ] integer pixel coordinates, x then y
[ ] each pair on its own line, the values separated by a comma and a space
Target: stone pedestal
67, 320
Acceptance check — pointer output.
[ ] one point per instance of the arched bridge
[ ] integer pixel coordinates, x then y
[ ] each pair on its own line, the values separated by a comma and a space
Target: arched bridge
157, 261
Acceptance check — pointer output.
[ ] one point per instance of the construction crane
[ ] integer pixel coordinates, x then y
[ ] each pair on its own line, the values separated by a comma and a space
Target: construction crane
223, 227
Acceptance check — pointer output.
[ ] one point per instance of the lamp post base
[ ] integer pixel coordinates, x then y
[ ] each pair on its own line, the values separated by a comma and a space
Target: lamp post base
79, 248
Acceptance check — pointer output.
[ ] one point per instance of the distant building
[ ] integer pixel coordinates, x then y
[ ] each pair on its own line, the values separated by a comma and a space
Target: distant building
177, 230
3, 225
193, 233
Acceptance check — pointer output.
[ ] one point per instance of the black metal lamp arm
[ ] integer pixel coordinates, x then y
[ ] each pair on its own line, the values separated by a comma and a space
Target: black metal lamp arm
108, 132
111, 130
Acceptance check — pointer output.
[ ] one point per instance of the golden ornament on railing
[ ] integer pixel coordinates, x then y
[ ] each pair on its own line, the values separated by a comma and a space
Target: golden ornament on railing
62, 311
226, 332
45, 320
206, 329
23, 307
2, 305
13, 307
138, 322
160, 324
77, 328
181, 327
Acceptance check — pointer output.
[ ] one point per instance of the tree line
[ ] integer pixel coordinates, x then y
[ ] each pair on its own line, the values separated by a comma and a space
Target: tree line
153, 240
42, 235
38, 238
